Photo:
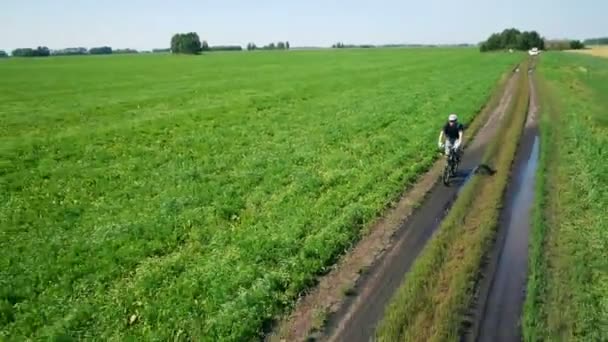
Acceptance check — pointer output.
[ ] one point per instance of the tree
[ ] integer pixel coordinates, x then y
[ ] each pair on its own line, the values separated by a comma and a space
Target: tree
273, 46
175, 43
3, 54
125, 51
102, 50
23, 52
576, 45
558, 44
205, 46
523, 41
251, 47
535, 40
494, 42
226, 48
41, 51
186, 43
512, 39
70, 51
509, 38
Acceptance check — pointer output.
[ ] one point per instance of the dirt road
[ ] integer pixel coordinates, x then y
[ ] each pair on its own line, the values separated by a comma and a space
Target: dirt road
357, 318
497, 312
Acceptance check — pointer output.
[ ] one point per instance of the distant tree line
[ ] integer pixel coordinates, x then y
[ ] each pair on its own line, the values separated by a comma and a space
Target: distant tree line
181, 43
564, 44
190, 43
73, 51
3, 54
576, 45
103, 50
271, 46
41, 51
225, 48
277, 46
125, 51
513, 39
596, 41
70, 51
341, 45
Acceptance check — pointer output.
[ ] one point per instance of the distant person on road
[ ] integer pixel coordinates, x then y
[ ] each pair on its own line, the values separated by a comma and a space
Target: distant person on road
452, 132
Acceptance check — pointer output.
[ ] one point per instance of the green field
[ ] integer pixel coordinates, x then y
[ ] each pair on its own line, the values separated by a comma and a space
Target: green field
568, 284
160, 197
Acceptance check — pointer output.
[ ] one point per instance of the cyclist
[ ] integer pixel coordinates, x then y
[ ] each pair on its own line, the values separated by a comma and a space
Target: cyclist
452, 131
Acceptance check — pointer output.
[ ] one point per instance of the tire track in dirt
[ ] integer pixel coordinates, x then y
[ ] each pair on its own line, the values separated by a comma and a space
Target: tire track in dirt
497, 308
358, 317
361, 284
387, 253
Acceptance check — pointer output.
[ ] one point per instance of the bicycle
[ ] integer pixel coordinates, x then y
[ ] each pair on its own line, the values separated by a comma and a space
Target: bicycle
451, 166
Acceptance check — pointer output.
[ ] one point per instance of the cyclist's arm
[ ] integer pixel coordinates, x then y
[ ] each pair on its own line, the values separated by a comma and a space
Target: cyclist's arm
440, 137
460, 135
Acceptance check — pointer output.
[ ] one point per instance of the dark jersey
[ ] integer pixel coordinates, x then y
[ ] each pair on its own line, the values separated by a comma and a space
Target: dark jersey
451, 132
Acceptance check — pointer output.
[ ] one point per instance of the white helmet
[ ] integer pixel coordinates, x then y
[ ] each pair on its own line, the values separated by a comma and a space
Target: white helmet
453, 117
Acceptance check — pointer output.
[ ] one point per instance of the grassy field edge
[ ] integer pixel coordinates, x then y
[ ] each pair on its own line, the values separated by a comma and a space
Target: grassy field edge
567, 282
484, 112
438, 289
205, 203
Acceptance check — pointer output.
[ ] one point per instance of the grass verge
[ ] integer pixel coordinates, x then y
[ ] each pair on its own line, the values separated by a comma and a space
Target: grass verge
567, 291
536, 284
438, 289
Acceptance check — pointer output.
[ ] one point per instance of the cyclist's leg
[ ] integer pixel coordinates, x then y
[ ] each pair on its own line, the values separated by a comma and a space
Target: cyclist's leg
449, 143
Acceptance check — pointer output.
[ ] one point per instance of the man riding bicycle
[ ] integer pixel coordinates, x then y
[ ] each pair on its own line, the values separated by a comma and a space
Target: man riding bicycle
452, 132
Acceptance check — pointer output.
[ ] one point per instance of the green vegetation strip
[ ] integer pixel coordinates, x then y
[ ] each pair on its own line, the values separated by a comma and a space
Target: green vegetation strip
567, 294
150, 197
430, 304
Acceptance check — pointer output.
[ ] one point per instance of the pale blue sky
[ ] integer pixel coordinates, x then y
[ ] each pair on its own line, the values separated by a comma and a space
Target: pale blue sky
145, 24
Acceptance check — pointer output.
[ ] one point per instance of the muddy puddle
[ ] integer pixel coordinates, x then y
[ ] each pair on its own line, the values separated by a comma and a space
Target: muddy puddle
505, 293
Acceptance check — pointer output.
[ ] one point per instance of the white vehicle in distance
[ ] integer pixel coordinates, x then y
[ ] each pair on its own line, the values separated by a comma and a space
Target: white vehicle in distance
534, 52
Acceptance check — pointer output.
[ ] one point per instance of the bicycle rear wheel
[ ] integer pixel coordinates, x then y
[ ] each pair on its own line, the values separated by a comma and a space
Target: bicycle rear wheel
446, 174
